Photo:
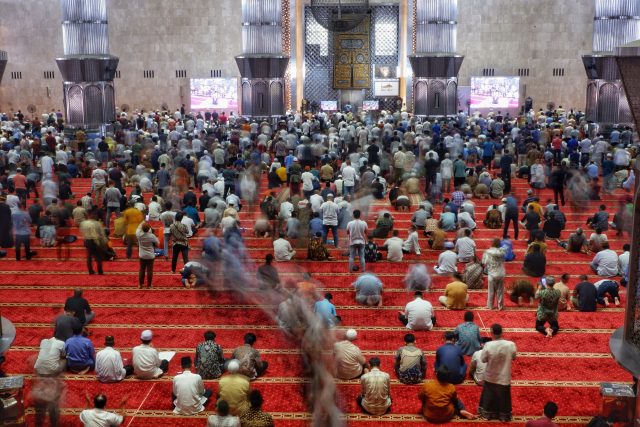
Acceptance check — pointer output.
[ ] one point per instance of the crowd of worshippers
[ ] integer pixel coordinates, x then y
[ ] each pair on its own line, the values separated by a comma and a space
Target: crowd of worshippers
158, 171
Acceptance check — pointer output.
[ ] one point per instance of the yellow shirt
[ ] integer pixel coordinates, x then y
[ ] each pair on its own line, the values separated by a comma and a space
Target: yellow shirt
456, 293
133, 217
235, 389
282, 173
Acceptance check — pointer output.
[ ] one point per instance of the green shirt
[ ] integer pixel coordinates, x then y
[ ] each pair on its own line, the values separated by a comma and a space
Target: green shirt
459, 169
548, 306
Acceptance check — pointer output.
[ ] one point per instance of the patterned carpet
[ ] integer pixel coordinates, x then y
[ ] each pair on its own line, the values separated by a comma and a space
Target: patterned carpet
566, 369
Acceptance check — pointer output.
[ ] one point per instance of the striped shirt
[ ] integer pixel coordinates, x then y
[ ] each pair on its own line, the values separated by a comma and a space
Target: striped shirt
375, 391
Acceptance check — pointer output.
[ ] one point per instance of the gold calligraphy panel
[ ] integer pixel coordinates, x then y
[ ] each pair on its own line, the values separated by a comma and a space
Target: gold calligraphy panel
352, 57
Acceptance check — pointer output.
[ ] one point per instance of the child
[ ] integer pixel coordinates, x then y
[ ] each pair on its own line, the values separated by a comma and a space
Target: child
371, 253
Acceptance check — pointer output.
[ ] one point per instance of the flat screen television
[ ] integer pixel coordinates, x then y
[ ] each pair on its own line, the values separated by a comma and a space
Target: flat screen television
495, 92
214, 94
329, 105
370, 105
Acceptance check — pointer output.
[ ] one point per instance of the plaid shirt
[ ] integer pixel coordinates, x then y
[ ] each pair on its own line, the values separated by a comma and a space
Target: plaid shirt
376, 386
458, 197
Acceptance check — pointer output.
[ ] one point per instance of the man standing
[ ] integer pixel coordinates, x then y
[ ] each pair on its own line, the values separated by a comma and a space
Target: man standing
459, 172
349, 180
493, 258
112, 197
495, 400
99, 186
357, 230
505, 167
329, 211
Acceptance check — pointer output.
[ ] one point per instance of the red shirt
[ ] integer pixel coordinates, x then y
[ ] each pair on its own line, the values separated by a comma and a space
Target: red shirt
51, 142
20, 181
557, 144
541, 422
223, 119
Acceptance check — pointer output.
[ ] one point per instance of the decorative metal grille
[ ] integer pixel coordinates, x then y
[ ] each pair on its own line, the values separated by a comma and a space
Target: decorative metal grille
592, 95
452, 98
389, 104
76, 106
109, 103
93, 105
246, 99
624, 116
420, 94
436, 107
385, 45
318, 61
608, 103
286, 49
277, 107
260, 99
318, 53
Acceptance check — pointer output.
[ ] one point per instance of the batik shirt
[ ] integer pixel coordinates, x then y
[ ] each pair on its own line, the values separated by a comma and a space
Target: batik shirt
209, 360
548, 307
468, 338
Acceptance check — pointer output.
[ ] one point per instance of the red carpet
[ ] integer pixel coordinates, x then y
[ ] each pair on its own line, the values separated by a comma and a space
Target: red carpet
566, 369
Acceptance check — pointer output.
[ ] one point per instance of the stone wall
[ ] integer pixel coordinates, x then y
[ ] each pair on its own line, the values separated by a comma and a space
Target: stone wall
508, 35
203, 35
164, 36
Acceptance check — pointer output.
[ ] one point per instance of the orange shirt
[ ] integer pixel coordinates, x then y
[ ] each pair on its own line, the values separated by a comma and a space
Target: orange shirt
182, 177
438, 401
133, 217
306, 291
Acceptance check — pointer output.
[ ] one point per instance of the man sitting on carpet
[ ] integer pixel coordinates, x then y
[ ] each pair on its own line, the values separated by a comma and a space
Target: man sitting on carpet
109, 364
146, 362
451, 356
440, 399
189, 395
447, 261
80, 306
577, 242
350, 363
411, 365
80, 352
251, 365
52, 359
255, 416
98, 416
547, 308
368, 290
418, 315
234, 389
376, 388
550, 410
605, 263
455, 294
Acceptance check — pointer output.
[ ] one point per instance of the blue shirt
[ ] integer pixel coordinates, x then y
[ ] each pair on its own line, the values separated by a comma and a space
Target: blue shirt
288, 161
535, 134
212, 248
315, 225
452, 357
509, 256
487, 148
607, 167
80, 351
511, 201
21, 221
326, 312
592, 170
468, 338
193, 214
572, 144
72, 170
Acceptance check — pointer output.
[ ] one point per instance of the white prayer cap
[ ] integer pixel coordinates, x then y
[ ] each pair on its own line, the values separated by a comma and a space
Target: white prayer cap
233, 367
351, 334
146, 335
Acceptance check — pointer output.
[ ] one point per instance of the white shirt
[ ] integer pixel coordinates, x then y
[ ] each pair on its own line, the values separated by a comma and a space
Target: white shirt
189, 223
316, 201
189, 390
13, 202
329, 212
47, 164
99, 418
307, 181
623, 262
445, 168
155, 209
479, 367
447, 262
146, 362
466, 248
349, 176
394, 249
412, 243
100, 176
281, 249
419, 313
109, 365
49, 357
606, 262
357, 230
471, 224
286, 209
498, 355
